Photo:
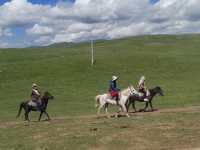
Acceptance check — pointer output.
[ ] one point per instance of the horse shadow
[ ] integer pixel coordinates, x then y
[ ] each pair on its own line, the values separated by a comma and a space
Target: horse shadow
143, 111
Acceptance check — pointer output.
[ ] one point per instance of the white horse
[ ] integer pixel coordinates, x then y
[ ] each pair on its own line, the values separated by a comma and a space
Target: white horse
104, 99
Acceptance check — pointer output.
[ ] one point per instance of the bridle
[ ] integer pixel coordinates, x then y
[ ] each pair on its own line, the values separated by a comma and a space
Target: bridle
131, 91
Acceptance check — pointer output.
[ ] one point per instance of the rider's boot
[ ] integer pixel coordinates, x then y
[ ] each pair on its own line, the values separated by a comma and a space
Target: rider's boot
39, 106
117, 100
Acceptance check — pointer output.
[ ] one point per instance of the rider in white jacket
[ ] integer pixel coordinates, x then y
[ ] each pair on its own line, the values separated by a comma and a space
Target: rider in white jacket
35, 95
143, 89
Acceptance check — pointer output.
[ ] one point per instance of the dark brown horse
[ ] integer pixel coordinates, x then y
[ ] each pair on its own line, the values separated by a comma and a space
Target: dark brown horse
28, 108
153, 92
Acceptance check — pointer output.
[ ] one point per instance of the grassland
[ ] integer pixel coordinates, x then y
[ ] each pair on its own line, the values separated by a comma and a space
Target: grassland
171, 62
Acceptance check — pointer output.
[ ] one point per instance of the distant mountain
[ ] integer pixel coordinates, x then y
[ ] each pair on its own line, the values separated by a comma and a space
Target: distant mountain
60, 45
55, 45
171, 37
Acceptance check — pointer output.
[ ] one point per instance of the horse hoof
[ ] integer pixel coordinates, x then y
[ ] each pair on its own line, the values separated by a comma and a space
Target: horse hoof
98, 116
108, 117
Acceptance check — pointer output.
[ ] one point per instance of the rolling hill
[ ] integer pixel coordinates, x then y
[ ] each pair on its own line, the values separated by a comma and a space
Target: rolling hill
170, 61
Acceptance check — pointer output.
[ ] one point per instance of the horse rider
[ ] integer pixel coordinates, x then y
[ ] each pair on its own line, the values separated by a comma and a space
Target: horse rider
143, 89
113, 90
35, 95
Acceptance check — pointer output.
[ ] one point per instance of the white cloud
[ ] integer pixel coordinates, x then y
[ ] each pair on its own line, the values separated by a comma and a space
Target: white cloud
4, 44
167, 3
43, 40
5, 32
39, 30
78, 27
99, 19
20, 13
82, 2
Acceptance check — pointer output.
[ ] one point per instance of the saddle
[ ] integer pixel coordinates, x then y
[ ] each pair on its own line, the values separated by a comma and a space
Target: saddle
139, 95
34, 103
115, 98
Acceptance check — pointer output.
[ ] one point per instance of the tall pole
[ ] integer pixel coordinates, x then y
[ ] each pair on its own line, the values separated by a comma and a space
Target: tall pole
92, 53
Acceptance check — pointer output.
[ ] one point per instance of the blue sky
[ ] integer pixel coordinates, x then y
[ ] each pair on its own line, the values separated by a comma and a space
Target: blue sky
24, 23
3, 1
154, 1
51, 2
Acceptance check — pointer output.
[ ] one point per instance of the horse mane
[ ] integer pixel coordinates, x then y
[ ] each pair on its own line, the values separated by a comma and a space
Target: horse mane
156, 87
155, 90
125, 91
46, 95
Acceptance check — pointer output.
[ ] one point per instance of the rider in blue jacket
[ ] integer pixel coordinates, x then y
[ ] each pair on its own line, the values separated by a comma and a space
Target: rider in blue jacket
113, 90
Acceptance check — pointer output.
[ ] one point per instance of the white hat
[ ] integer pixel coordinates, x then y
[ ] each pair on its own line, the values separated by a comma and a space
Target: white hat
142, 78
34, 85
114, 78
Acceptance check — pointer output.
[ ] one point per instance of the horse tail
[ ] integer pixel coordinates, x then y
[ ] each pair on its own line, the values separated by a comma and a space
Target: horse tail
20, 109
97, 98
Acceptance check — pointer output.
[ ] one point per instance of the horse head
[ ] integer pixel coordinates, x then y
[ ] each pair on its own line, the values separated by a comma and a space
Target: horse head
128, 91
159, 90
48, 96
132, 90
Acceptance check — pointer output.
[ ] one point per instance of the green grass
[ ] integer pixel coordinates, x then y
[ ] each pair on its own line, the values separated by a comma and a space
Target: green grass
171, 62
153, 131
167, 61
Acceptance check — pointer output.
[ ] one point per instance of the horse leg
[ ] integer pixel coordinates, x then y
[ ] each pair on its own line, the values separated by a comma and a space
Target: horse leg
26, 112
99, 109
116, 114
26, 115
146, 105
40, 116
128, 106
20, 109
125, 110
133, 106
106, 107
106, 110
120, 110
47, 115
151, 105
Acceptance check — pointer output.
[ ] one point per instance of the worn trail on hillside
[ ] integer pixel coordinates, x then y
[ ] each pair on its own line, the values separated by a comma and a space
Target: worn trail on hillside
191, 109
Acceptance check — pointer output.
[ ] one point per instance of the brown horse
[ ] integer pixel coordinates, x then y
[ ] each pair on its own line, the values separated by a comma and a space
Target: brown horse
134, 97
28, 108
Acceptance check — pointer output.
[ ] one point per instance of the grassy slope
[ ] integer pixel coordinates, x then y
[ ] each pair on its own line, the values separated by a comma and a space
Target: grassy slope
169, 61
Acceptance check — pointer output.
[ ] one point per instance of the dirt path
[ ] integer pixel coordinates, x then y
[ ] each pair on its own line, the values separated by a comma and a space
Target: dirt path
191, 109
